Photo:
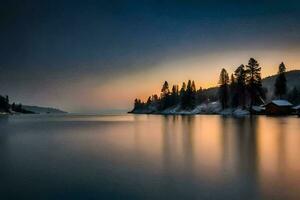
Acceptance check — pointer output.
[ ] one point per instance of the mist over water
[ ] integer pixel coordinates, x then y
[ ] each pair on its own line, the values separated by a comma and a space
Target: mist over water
149, 157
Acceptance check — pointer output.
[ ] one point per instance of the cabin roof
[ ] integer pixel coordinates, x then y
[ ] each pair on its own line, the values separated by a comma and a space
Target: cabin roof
281, 102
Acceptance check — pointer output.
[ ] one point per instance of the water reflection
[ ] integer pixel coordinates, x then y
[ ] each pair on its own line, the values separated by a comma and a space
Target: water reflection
279, 158
151, 157
259, 154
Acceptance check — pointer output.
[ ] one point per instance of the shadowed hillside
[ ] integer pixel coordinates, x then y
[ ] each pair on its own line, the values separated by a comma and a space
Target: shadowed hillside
292, 77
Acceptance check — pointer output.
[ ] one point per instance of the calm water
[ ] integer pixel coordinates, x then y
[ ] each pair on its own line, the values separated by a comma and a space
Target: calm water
149, 157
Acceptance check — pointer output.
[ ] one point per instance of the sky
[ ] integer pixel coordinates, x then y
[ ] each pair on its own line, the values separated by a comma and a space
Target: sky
90, 56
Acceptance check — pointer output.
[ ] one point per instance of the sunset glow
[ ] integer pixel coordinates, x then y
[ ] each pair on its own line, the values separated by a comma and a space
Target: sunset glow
107, 56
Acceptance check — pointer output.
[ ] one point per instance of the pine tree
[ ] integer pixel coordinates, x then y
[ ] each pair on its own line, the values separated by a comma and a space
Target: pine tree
194, 95
280, 83
223, 89
155, 103
149, 101
240, 75
234, 98
183, 88
165, 96
7, 106
155, 98
253, 80
190, 95
174, 95
183, 101
165, 89
4, 103
193, 86
137, 104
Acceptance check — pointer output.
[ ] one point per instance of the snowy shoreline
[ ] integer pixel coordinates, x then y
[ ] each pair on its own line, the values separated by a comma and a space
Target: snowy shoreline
213, 108
244, 113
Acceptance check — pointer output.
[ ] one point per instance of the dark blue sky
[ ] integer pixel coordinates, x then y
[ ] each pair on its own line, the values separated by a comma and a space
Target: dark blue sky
52, 50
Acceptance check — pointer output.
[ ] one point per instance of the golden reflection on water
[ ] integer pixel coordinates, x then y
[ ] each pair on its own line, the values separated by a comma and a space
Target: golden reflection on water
263, 152
199, 156
279, 150
216, 149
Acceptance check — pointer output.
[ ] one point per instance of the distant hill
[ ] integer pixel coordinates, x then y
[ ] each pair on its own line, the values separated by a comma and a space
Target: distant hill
43, 110
292, 77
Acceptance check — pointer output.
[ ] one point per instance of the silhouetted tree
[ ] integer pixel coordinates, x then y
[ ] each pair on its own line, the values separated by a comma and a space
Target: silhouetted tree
19, 108
190, 95
165, 96
155, 103
280, 83
193, 86
183, 95
175, 95
165, 89
244, 87
234, 97
138, 104
223, 89
7, 106
183, 88
240, 75
4, 104
253, 80
155, 98
149, 101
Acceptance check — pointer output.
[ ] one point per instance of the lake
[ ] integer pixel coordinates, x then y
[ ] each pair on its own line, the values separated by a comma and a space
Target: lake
149, 157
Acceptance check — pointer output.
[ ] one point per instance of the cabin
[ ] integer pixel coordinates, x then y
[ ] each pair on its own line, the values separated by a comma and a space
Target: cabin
279, 107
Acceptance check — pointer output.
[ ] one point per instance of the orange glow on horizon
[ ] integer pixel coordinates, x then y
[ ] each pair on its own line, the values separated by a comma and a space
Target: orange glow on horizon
204, 70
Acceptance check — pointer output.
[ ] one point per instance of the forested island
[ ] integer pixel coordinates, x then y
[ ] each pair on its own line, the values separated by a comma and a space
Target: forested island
13, 108
240, 93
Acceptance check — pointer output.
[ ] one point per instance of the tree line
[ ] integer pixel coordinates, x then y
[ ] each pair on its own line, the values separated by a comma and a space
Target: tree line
6, 107
243, 88
187, 97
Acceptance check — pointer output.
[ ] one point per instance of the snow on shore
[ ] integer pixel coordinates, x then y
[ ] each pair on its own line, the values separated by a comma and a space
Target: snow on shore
3, 113
205, 108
